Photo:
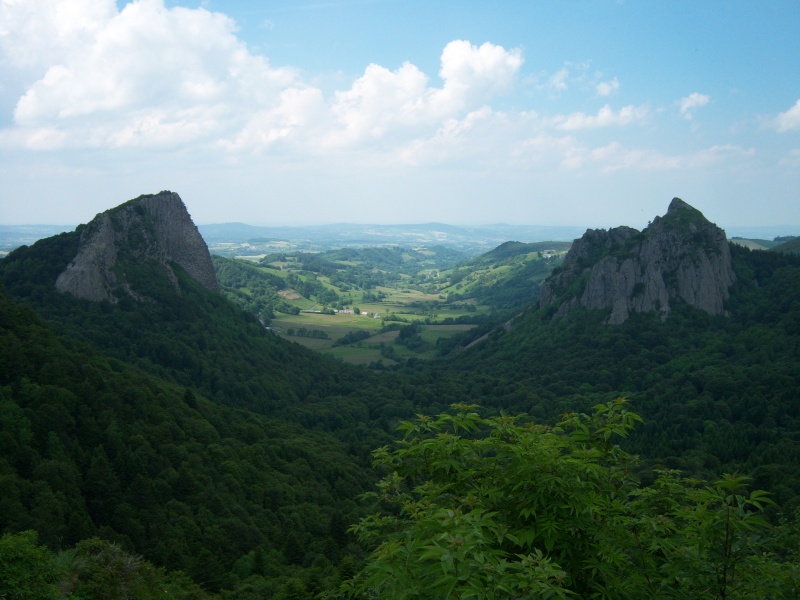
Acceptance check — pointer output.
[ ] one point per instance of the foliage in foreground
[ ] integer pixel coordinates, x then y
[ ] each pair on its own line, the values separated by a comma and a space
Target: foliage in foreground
94, 570
502, 508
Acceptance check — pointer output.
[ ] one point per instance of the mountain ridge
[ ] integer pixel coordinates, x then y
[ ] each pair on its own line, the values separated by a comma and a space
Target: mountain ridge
151, 228
680, 256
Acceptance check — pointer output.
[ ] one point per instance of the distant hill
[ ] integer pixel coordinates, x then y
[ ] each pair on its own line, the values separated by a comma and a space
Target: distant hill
510, 250
754, 244
508, 276
791, 246
14, 236
238, 239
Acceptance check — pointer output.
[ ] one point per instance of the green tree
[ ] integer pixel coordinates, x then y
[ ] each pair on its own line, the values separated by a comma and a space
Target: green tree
26, 570
499, 507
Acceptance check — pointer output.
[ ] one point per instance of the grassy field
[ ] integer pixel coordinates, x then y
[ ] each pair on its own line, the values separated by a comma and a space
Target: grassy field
386, 289
365, 351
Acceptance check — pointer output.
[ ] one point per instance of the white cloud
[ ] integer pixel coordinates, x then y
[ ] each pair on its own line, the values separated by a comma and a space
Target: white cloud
557, 82
379, 100
606, 88
299, 116
34, 34
150, 76
605, 117
384, 102
786, 121
614, 157
547, 151
474, 74
691, 102
452, 139
147, 75
570, 74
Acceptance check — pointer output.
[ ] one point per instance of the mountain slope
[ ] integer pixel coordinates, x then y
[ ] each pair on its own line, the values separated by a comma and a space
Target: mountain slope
792, 246
193, 337
716, 391
121, 417
91, 446
507, 277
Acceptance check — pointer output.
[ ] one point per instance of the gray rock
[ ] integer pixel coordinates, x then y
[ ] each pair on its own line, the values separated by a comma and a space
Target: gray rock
151, 230
678, 256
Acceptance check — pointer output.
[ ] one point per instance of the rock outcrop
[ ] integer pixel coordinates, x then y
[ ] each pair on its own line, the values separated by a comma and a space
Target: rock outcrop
679, 256
152, 230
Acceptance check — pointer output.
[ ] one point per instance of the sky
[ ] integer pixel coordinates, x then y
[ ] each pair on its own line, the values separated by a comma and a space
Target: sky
590, 113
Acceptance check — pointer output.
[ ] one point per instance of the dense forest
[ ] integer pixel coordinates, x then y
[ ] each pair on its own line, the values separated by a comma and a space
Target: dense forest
715, 392
180, 445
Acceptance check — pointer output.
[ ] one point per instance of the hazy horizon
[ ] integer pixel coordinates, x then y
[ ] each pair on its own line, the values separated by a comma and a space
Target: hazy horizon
745, 231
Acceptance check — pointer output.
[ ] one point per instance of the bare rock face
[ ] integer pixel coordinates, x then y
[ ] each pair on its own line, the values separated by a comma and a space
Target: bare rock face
149, 231
678, 256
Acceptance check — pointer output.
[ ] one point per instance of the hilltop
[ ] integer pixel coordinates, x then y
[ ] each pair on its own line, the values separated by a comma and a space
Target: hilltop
678, 256
114, 248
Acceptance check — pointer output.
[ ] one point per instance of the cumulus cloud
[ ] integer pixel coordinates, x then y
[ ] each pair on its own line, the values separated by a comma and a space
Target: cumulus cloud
150, 76
34, 34
296, 118
614, 157
451, 141
572, 74
557, 82
378, 101
786, 121
549, 151
474, 74
146, 76
606, 88
383, 101
605, 117
692, 102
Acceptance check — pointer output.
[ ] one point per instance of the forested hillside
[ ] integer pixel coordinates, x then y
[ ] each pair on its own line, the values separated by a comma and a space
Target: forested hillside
94, 447
199, 340
171, 429
181, 429
716, 392
792, 246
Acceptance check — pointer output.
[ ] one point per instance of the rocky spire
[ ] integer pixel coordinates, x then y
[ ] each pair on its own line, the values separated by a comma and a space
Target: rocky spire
153, 230
680, 256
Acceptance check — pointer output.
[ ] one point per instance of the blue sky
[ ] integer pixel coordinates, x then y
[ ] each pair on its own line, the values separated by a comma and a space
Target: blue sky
592, 113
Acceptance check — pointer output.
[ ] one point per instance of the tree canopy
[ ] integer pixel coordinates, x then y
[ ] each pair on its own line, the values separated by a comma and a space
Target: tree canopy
502, 507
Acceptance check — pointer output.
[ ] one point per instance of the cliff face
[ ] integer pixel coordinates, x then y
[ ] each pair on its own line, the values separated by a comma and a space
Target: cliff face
149, 231
679, 256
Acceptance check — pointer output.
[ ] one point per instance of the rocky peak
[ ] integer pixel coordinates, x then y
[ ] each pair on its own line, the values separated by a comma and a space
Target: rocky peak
152, 230
680, 256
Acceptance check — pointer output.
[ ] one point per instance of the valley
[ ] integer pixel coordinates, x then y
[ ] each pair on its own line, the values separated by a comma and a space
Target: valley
381, 306
320, 424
